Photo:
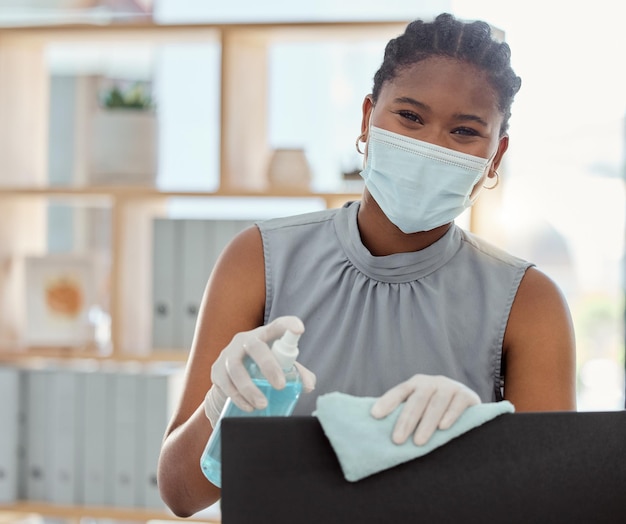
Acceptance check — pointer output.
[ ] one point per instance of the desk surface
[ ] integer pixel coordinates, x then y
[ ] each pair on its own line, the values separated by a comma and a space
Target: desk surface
522, 468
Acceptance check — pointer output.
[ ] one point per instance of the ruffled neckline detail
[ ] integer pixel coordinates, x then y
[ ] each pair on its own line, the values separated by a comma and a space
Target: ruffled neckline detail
399, 267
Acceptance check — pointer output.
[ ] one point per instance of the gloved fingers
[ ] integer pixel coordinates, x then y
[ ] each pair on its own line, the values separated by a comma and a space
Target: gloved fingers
390, 400
229, 372
258, 350
277, 327
447, 402
463, 399
413, 410
431, 416
308, 377
239, 386
430, 402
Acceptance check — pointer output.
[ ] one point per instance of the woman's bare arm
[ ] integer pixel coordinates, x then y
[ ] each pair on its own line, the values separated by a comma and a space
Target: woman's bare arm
539, 348
234, 301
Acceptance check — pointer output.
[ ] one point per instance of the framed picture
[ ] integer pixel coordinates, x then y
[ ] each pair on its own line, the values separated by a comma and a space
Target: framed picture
60, 291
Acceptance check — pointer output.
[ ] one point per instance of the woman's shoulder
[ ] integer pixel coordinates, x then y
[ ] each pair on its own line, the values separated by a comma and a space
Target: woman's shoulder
242, 258
490, 250
302, 220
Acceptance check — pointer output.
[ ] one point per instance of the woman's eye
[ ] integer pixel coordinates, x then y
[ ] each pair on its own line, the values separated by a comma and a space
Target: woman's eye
410, 116
466, 131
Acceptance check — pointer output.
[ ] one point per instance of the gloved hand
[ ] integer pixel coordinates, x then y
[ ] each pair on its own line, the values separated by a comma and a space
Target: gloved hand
431, 402
231, 379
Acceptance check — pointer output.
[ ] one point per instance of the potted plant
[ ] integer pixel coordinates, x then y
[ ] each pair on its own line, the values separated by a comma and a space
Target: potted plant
137, 96
124, 136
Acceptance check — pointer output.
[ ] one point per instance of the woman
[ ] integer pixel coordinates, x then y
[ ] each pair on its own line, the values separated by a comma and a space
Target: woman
398, 302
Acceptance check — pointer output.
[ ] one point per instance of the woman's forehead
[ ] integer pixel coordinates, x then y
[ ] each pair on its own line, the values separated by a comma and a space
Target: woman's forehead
443, 79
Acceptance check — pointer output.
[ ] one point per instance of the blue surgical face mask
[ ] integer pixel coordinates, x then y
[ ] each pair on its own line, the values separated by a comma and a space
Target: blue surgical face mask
418, 185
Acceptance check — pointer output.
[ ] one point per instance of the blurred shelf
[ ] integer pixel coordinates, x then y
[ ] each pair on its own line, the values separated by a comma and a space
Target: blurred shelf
148, 193
74, 353
114, 513
200, 28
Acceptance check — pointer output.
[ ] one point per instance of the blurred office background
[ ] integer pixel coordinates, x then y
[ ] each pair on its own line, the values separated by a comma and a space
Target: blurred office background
561, 199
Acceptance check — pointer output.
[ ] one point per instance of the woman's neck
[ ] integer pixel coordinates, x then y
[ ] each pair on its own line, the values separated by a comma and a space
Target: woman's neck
381, 237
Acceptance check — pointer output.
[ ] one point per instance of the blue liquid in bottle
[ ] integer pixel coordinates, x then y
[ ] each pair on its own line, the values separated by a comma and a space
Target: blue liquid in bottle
280, 403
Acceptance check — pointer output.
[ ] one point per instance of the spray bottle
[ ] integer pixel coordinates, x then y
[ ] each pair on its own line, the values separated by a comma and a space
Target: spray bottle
280, 402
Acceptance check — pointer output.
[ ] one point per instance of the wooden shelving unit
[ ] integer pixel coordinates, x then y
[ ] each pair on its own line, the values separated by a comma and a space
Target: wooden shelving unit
130, 253
25, 192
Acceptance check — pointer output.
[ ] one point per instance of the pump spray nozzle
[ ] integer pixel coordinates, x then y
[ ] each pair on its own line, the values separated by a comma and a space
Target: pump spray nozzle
285, 349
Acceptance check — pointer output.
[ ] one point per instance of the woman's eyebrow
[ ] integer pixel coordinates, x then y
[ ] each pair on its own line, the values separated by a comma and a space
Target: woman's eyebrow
411, 101
470, 118
463, 117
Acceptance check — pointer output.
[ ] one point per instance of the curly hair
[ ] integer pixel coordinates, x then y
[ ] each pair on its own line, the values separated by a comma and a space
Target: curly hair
470, 42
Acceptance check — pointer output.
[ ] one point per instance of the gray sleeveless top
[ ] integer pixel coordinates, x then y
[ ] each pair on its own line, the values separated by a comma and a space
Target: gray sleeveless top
373, 322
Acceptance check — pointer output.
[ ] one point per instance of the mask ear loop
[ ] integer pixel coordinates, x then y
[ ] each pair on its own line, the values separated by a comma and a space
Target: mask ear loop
360, 139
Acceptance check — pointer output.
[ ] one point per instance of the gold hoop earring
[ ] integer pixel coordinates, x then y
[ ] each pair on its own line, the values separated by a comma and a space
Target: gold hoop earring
359, 139
497, 181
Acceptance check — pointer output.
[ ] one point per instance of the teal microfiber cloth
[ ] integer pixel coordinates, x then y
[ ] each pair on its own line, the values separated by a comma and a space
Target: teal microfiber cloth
363, 444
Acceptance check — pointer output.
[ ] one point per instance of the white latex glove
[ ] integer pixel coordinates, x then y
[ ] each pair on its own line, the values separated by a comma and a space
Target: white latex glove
431, 402
231, 379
